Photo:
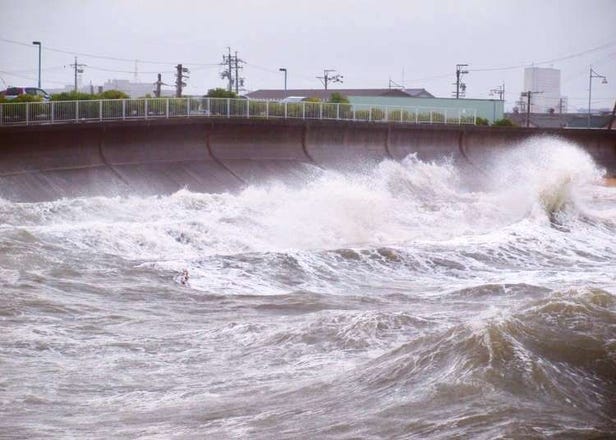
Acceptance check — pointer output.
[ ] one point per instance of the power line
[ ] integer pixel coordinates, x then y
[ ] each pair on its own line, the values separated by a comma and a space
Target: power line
30, 78
102, 57
553, 60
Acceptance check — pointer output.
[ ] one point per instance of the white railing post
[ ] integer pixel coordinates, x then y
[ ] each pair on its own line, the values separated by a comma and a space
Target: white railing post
338, 111
145, 108
321, 110
27, 113
100, 110
188, 107
247, 109
77, 111
285, 110
416, 114
370, 114
123, 109
303, 109
167, 108
209, 107
228, 107
266, 109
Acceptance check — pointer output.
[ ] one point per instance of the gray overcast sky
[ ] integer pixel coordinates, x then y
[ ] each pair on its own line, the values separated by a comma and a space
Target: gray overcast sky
367, 41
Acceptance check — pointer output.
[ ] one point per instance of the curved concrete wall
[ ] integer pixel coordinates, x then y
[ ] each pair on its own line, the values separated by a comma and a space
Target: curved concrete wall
346, 146
254, 154
162, 156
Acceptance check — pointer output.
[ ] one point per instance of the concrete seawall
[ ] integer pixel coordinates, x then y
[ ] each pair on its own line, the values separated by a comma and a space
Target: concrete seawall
47, 162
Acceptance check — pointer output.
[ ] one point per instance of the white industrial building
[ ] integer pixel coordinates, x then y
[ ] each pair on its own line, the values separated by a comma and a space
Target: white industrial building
544, 85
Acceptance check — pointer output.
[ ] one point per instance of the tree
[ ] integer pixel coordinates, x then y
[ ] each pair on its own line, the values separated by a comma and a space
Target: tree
338, 98
220, 93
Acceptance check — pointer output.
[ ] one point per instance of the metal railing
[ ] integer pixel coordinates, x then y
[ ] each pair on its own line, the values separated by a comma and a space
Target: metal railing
63, 112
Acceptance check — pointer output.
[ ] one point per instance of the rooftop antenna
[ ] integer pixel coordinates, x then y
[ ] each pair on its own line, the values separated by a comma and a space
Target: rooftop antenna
395, 85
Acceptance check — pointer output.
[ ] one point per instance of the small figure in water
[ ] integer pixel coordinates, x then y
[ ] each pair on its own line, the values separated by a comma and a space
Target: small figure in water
184, 277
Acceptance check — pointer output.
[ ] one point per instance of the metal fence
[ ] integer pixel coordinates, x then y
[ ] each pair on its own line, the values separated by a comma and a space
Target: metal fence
62, 112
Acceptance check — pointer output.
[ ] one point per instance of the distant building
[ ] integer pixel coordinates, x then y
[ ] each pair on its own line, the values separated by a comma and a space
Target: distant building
490, 109
557, 120
544, 83
134, 89
279, 95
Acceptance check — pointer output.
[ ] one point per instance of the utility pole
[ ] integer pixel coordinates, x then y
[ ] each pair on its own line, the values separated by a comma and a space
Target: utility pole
78, 69
327, 78
500, 91
158, 85
231, 72
237, 83
38, 43
592, 75
460, 85
609, 127
179, 79
528, 95
284, 69
230, 60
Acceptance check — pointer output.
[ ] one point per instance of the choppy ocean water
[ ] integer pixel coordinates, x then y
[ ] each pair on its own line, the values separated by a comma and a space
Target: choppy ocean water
402, 301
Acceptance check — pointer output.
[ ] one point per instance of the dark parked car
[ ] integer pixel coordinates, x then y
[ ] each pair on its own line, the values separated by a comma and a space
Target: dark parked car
14, 92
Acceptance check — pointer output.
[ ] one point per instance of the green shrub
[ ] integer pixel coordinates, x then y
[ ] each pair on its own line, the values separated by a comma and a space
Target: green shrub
503, 123
220, 93
338, 98
27, 98
112, 94
72, 96
481, 121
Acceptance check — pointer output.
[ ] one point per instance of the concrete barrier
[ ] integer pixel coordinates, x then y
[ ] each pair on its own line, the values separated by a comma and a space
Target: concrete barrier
427, 142
346, 145
38, 165
162, 156
161, 159
260, 152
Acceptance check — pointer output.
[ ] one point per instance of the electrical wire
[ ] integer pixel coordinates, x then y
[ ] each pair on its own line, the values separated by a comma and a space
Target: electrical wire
103, 57
553, 60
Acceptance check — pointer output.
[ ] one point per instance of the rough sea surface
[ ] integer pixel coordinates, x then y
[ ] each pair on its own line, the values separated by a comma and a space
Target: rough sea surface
405, 300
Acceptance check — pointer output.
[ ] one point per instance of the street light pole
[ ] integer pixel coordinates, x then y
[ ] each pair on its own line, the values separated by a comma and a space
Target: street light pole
38, 43
283, 69
592, 75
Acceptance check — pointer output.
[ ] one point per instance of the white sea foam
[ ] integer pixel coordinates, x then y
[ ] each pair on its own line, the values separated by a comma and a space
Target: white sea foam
421, 210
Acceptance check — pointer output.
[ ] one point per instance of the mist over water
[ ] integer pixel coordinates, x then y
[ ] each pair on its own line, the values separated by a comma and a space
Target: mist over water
406, 300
